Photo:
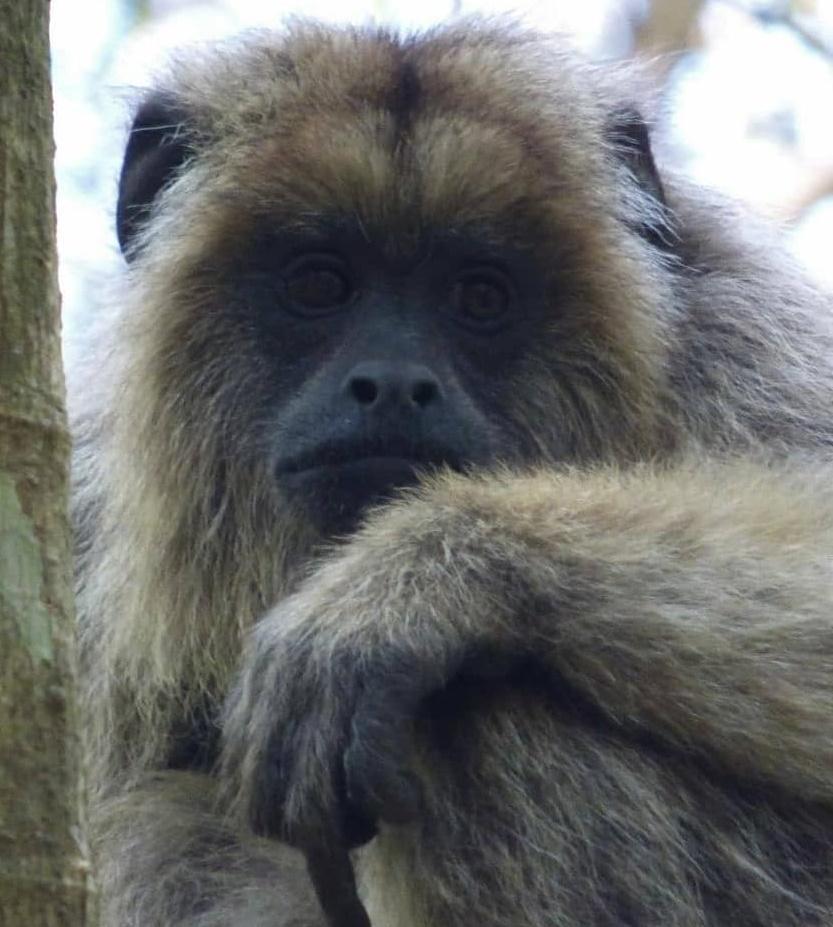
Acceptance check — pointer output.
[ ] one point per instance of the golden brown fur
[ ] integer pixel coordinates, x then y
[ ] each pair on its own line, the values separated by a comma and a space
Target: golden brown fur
664, 556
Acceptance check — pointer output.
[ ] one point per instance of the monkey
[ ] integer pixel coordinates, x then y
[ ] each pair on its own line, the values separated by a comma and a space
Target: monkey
453, 506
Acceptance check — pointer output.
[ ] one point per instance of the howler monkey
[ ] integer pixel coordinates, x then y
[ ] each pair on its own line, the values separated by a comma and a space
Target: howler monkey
453, 488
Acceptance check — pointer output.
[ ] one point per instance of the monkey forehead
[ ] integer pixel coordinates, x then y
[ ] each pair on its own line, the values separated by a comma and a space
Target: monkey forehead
450, 170
462, 125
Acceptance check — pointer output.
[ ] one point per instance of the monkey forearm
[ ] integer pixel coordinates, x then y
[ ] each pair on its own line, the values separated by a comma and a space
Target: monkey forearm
695, 603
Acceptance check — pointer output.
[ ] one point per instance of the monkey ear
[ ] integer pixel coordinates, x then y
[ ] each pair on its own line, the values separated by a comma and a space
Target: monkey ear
158, 144
631, 142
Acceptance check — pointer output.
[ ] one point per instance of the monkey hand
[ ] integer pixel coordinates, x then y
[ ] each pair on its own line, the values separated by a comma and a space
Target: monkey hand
319, 726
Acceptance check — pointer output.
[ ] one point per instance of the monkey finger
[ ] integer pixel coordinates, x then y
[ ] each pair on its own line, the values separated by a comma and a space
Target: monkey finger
379, 783
488, 660
334, 882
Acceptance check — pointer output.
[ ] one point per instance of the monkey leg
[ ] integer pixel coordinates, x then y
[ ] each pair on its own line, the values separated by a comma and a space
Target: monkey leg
164, 857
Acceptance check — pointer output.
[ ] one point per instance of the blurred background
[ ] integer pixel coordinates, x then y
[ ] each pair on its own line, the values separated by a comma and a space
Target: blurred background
747, 88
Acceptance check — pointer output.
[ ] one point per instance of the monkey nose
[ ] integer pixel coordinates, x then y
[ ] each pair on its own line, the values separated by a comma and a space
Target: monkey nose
373, 384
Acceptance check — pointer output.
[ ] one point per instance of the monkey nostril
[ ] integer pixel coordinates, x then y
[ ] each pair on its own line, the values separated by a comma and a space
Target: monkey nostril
365, 390
374, 385
424, 392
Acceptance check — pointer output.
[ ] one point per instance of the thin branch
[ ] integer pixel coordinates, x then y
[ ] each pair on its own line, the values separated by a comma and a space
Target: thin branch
782, 16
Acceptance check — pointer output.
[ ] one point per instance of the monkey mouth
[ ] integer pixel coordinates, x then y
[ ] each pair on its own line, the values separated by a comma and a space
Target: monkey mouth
387, 453
337, 484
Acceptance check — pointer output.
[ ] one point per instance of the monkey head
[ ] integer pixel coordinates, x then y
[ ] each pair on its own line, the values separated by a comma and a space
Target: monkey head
357, 258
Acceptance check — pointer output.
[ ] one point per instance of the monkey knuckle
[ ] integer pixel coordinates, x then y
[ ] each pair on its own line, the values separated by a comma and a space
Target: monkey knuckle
380, 789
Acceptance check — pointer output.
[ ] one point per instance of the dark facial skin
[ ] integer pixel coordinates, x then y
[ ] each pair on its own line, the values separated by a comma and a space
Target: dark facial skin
391, 364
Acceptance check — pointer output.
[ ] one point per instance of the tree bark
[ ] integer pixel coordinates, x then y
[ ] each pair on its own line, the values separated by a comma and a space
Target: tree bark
43, 862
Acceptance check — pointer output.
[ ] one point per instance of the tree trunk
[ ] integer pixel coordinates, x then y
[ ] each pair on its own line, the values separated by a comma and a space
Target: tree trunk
43, 863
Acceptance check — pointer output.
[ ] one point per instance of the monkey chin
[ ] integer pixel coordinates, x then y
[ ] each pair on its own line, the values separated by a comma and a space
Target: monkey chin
337, 495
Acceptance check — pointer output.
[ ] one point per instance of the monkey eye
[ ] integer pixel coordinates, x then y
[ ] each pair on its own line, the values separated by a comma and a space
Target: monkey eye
482, 297
317, 284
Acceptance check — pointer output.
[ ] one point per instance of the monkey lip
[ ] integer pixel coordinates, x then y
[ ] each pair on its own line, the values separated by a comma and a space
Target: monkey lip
337, 485
372, 456
336, 493
371, 463
371, 476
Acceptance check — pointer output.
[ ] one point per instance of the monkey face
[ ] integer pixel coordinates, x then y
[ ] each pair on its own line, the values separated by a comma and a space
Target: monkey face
388, 361
350, 271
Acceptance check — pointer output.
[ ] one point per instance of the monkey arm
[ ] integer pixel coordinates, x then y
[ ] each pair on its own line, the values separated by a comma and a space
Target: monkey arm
695, 604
